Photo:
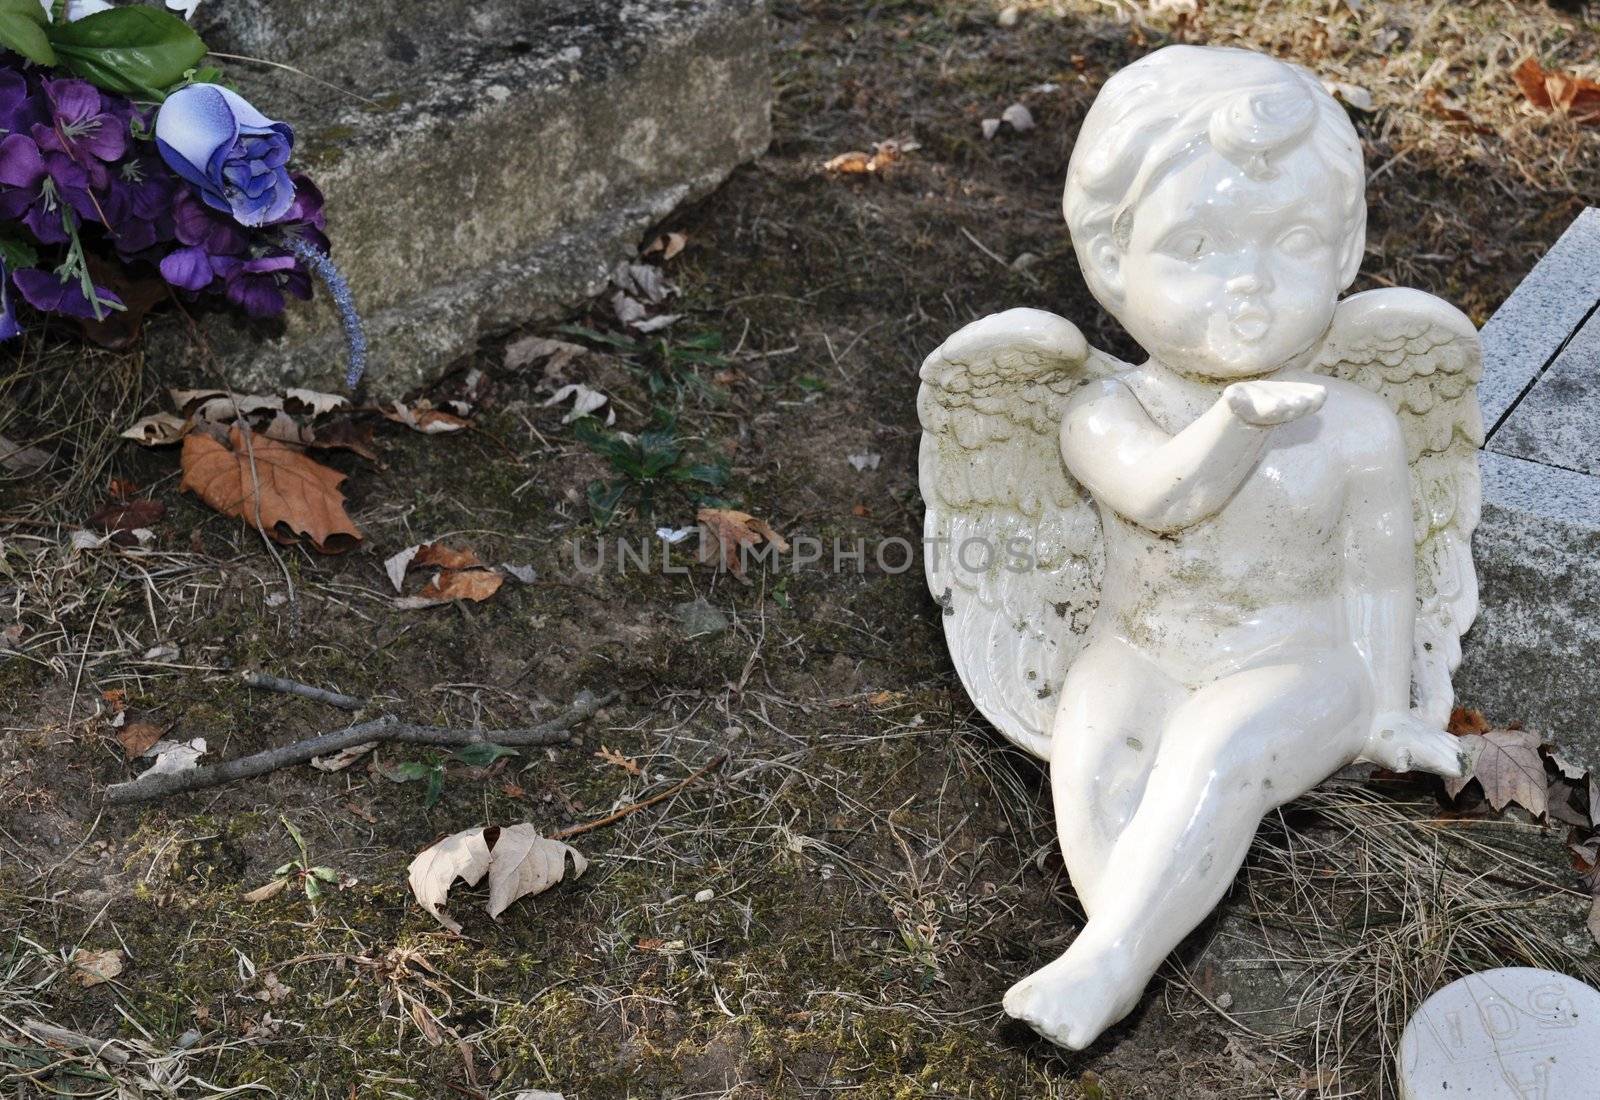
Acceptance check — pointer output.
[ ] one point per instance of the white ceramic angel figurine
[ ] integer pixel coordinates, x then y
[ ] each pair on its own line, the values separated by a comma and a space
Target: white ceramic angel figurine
1274, 573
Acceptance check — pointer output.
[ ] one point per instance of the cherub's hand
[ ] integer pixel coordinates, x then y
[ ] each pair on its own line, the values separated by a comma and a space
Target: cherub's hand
1265, 403
1404, 741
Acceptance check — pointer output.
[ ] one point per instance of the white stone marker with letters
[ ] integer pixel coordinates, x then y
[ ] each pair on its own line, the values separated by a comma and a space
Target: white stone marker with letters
1511, 1034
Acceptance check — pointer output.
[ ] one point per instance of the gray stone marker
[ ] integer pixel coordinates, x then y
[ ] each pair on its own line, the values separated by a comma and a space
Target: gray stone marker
1511, 1034
1534, 652
503, 156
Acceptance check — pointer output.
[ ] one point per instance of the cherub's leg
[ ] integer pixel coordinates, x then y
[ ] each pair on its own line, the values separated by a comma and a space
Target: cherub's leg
1233, 751
1113, 707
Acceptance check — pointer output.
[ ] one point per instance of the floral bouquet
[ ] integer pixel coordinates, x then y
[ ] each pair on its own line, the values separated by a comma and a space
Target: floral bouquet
127, 171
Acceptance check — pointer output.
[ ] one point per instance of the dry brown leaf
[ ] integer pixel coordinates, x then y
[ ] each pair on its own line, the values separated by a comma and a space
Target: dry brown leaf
158, 430
428, 421
343, 758
1557, 91
1508, 766
128, 515
137, 737
94, 967
612, 756
1466, 720
449, 585
286, 494
447, 557
314, 402
267, 892
668, 244
730, 532
855, 162
518, 860
523, 863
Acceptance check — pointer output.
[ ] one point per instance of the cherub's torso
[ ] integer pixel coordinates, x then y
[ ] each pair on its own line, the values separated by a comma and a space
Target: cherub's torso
1261, 578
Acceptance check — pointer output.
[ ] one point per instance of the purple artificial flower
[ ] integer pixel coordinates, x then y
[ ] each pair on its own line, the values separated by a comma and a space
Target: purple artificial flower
138, 205
39, 184
8, 309
256, 286
236, 156
82, 125
48, 292
20, 109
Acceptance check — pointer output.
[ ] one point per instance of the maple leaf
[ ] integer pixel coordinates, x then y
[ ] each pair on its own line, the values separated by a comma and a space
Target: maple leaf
1508, 767
270, 486
731, 531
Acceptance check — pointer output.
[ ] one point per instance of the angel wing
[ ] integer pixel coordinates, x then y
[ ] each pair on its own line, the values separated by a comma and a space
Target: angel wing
1423, 356
1012, 544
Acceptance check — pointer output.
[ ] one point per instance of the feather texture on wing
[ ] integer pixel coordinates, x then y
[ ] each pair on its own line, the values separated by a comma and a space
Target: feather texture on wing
1013, 551
1423, 356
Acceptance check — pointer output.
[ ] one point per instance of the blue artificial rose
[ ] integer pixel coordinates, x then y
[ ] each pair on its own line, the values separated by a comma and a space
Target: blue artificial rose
236, 156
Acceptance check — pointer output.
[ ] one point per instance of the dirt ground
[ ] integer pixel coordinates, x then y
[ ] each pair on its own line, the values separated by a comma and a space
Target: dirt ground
837, 908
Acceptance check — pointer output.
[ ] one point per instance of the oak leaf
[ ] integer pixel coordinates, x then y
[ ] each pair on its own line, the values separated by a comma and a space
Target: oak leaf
270, 486
137, 737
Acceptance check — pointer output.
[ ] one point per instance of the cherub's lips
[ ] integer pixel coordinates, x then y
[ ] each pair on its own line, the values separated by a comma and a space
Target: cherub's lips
1250, 323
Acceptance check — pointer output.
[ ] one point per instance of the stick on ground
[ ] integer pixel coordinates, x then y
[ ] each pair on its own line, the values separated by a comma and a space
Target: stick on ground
643, 804
388, 728
305, 691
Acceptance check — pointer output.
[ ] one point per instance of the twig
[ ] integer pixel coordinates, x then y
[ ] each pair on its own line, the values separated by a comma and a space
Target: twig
305, 691
388, 728
613, 818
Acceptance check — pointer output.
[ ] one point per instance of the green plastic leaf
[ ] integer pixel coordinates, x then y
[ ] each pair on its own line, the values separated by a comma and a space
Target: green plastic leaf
435, 787
15, 252
481, 756
408, 772
22, 30
130, 50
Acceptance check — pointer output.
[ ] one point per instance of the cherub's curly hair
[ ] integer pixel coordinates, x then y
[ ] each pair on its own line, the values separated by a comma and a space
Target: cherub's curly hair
1158, 112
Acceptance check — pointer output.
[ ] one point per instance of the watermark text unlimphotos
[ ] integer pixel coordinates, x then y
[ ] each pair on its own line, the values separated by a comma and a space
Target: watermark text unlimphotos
651, 554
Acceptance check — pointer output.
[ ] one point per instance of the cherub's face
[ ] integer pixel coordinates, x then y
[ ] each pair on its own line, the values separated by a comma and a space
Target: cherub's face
1227, 276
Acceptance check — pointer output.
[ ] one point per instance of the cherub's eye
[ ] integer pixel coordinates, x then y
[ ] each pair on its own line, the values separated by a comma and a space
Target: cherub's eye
1299, 240
1186, 244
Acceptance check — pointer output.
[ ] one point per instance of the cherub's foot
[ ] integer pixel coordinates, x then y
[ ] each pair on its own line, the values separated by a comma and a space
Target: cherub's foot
1074, 999
1406, 744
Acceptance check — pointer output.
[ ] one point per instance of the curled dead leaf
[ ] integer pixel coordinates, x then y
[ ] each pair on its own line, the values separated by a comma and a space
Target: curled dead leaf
266, 892
519, 861
731, 532
1507, 764
271, 486
158, 430
90, 968
425, 419
1558, 91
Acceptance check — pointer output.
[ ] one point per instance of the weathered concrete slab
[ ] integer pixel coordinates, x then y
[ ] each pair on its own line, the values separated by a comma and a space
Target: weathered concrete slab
1534, 653
504, 154
1557, 423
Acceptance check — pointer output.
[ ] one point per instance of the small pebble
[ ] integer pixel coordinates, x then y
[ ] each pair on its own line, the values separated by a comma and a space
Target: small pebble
1009, 15
704, 896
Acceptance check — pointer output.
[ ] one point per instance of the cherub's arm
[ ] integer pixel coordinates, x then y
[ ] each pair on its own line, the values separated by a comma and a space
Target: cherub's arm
1379, 555
1168, 482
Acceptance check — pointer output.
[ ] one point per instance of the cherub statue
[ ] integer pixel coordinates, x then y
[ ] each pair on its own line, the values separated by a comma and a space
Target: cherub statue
1200, 586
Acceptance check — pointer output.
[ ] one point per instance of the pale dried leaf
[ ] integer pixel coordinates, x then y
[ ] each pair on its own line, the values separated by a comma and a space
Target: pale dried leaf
585, 402
174, 756
1353, 94
157, 430
91, 968
1508, 766
532, 349
733, 530
318, 404
428, 421
525, 863
612, 756
20, 459
343, 758
464, 855
657, 323
1018, 117
397, 565
267, 892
